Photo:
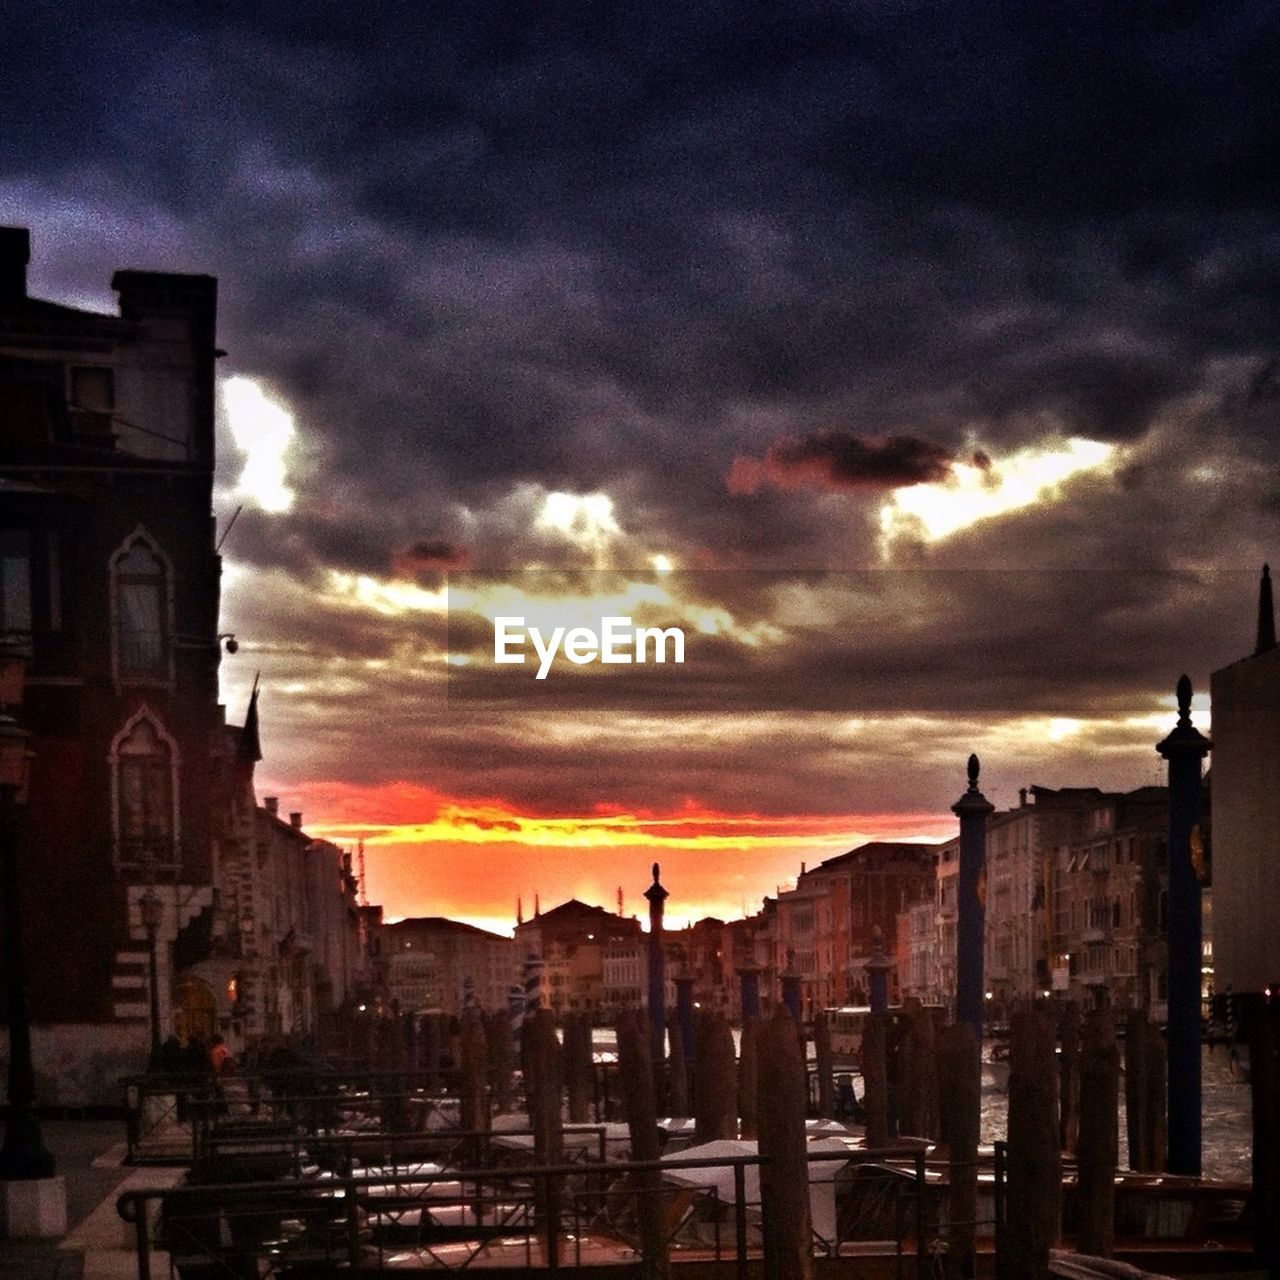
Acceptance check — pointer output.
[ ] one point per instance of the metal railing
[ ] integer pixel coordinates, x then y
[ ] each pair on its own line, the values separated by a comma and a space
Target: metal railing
165, 1115
293, 1153
547, 1217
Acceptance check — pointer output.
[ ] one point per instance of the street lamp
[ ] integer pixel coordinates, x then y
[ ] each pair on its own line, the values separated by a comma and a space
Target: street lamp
152, 910
23, 1155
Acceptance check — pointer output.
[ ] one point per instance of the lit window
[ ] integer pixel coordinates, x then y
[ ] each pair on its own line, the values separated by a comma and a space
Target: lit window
141, 606
144, 764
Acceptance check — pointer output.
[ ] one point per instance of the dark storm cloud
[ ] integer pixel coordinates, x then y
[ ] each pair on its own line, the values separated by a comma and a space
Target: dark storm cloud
615, 247
841, 460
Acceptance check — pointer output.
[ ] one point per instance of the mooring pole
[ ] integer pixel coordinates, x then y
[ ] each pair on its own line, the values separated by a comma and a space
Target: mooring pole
1185, 748
749, 977
657, 897
972, 809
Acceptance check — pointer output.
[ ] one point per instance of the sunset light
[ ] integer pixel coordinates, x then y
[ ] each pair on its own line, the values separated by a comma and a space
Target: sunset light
972, 492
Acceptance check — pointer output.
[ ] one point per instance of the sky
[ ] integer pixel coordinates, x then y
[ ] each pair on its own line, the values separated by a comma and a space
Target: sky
921, 361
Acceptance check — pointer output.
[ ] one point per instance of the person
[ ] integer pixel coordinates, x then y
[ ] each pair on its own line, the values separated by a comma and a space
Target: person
220, 1066
219, 1057
172, 1061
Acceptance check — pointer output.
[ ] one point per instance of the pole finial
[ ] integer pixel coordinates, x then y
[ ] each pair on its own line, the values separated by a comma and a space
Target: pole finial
974, 766
1266, 639
655, 873
1184, 699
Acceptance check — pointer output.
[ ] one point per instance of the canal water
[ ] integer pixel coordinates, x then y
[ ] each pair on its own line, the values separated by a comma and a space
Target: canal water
1227, 1121
1228, 1136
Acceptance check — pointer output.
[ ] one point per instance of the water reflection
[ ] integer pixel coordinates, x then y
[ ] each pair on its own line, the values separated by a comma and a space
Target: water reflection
1228, 1137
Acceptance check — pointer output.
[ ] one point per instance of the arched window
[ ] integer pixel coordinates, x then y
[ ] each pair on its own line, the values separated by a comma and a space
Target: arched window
144, 765
140, 599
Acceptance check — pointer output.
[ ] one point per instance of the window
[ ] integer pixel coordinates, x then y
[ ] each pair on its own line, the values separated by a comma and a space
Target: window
15, 580
141, 610
144, 762
93, 388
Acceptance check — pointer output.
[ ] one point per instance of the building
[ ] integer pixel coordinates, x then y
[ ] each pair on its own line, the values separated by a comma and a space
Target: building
624, 975
1246, 807
435, 964
288, 943
1106, 903
571, 941
704, 952
919, 942
826, 925
111, 581
140, 792
1020, 847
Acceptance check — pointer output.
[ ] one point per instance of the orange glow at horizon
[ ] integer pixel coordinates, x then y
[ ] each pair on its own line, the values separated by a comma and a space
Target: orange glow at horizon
432, 854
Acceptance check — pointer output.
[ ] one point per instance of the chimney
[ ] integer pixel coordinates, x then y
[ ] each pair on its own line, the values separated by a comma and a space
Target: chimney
1022, 797
295, 821
272, 805
15, 253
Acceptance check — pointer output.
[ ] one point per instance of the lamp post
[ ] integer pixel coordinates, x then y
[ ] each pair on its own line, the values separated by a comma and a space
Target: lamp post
152, 910
23, 1155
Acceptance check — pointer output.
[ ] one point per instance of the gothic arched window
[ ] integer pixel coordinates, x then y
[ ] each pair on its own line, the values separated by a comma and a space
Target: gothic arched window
140, 598
144, 764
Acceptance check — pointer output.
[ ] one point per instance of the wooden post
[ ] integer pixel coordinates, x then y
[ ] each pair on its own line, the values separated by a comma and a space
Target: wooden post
748, 1077
473, 1090
917, 1083
1157, 1109
1099, 1136
500, 1050
961, 1075
875, 1078
824, 1066
431, 1050
543, 1088
784, 1171
677, 1071
1136, 1092
1035, 1160
902, 1075
715, 1092
925, 1072
578, 1066
1069, 1078
635, 1070
1264, 1079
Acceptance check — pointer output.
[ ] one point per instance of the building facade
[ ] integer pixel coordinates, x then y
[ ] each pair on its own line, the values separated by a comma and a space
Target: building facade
140, 792
111, 582
840, 912
1106, 904
434, 965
